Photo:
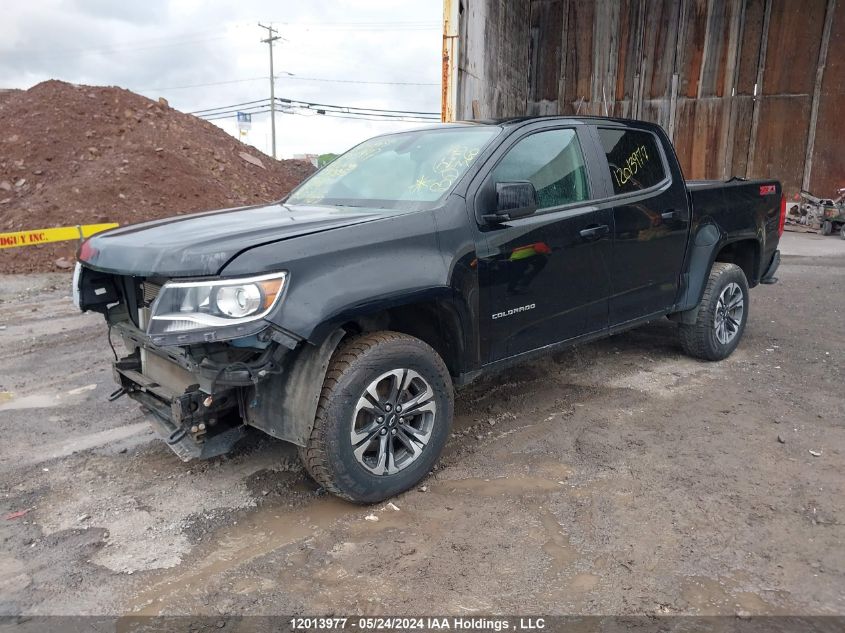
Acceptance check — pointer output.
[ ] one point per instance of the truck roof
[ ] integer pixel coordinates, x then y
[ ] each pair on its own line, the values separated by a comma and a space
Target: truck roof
572, 118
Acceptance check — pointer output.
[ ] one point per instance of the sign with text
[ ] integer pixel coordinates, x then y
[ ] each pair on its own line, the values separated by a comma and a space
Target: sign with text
45, 236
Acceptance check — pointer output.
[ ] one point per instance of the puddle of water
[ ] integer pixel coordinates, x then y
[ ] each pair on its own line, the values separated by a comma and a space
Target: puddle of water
256, 535
583, 582
551, 469
496, 487
85, 442
8, 401
543, 476
35, 401
79, 390
557, 546
711, 597
13, 576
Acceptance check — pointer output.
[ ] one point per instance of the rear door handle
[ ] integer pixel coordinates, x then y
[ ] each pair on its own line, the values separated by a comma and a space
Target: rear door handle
668, 215
595, 232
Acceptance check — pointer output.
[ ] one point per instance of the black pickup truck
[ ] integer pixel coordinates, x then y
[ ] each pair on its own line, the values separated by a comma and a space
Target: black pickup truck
341, 318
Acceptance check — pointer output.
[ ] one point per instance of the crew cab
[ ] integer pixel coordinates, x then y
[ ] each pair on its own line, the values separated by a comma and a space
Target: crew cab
342, 317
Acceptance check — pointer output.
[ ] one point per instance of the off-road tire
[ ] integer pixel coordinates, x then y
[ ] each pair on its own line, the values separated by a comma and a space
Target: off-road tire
842, 232
328, 455
699, 339
827, 227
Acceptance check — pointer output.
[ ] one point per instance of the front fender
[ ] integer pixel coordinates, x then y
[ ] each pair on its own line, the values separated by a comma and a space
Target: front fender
352, 269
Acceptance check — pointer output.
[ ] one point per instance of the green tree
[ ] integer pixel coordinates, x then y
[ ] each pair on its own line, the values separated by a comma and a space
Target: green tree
325, 159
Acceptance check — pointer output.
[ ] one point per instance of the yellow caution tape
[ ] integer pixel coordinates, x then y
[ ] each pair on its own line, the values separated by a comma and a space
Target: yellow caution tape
43, 236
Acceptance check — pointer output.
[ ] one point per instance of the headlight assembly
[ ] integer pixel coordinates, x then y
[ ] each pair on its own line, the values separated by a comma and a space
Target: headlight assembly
216, 310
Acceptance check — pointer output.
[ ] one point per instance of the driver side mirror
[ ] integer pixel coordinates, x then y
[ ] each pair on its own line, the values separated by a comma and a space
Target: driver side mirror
513, 200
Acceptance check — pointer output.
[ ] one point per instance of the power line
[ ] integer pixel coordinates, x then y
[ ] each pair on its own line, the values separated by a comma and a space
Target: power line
301, 108
231, 116
212, 83
265, 107
294, 77
326, 105
335, 115
264, 104
246, 105
359, 81
243, 103
364, 26
329, 114
395, 24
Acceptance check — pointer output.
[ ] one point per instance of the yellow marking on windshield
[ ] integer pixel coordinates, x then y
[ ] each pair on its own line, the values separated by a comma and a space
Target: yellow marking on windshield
447, 169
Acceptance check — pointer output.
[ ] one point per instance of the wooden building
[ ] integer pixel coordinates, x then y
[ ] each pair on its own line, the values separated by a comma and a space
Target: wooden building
744, 87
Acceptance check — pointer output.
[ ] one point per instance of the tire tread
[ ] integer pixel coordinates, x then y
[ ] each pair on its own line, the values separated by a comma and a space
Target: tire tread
314, 456
694, 336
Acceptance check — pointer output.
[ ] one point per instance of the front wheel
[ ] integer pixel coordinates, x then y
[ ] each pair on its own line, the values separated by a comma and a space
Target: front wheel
827, 227
842, 232
722, 315
383, 417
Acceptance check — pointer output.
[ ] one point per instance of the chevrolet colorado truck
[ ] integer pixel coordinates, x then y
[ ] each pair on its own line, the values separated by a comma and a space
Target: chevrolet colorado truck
341, 317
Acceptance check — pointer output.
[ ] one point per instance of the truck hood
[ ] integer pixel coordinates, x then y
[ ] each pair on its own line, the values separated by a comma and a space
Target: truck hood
201, 244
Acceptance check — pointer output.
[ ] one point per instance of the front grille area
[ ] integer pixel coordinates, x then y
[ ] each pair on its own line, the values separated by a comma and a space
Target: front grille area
149, 292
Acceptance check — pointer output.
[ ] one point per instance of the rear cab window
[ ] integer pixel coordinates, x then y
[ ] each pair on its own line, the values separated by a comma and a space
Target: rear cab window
633, 158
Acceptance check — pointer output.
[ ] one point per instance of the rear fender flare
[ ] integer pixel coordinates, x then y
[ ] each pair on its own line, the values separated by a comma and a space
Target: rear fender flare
706, 244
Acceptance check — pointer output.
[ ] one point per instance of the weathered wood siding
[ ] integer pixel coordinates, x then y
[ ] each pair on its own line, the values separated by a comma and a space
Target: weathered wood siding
744, 87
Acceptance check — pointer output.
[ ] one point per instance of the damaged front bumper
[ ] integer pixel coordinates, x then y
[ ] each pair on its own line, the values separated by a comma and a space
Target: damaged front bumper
197, 407
202, 391
186, 422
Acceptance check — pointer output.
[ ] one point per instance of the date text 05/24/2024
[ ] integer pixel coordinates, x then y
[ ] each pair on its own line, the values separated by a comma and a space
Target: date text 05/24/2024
417, 624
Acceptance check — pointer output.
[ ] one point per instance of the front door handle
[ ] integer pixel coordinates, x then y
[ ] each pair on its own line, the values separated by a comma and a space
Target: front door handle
668, 215
595, 232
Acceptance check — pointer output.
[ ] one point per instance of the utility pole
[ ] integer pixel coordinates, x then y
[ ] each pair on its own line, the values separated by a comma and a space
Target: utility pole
272, 37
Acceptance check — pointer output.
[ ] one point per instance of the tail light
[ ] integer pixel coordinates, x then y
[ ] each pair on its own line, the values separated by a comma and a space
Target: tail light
782, 215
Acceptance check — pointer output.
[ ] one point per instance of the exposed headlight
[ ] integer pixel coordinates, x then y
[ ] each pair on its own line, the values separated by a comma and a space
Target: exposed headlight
217, 306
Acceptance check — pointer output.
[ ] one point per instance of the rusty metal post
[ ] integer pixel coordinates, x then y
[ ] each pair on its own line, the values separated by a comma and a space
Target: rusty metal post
449, 86
814, 111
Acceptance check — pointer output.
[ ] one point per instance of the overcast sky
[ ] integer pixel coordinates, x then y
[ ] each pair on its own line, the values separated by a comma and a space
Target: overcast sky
155, 47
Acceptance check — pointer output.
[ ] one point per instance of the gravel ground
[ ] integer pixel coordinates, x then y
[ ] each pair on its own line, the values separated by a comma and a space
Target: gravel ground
615, 478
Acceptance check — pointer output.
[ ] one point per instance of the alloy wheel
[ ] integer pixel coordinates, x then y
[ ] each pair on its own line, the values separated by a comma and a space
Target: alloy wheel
392, 421
729, 310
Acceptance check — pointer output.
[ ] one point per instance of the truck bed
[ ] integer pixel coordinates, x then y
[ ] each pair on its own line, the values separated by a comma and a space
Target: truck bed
744, 209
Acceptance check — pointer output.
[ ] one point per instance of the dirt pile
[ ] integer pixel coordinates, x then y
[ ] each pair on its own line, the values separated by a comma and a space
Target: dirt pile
83, 155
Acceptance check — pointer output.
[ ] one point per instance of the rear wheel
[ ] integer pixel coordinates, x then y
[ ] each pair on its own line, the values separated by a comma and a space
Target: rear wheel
722, 315
842, 232
827, 227
383, 417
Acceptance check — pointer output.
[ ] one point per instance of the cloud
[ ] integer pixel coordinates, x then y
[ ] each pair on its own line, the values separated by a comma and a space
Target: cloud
159, 46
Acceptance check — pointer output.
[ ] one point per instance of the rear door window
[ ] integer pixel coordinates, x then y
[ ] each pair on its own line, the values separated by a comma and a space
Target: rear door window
633, 158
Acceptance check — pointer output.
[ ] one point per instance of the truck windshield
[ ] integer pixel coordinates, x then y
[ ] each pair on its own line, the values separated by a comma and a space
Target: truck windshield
406, 171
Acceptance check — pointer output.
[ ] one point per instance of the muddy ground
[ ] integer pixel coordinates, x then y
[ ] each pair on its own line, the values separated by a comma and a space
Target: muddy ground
616, 478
